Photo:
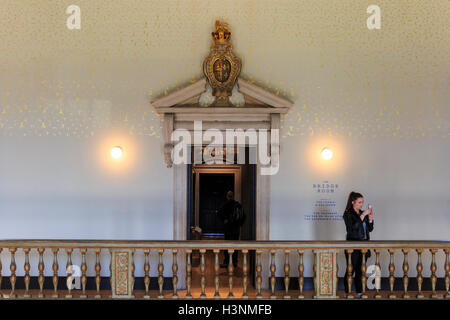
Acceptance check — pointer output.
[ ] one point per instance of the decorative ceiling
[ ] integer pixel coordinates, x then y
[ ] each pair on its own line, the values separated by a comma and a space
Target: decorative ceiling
344, 79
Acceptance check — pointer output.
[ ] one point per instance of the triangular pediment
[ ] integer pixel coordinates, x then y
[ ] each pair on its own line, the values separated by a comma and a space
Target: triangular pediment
188, 97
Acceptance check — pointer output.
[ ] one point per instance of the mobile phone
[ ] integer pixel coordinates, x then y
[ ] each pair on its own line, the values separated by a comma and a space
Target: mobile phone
370, 206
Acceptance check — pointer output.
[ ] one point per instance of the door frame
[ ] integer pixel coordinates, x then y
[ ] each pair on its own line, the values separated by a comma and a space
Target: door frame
198, 169
182, 173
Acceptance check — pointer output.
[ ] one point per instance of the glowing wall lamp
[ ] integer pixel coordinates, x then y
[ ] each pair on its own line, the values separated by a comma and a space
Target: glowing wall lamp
327, 154
116, 152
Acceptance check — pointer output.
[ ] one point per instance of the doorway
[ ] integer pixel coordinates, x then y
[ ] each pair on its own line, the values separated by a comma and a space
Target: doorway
209, 185
207, 188
211, 190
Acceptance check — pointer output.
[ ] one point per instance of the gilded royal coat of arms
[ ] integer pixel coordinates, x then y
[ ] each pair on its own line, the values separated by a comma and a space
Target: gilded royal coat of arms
221, 67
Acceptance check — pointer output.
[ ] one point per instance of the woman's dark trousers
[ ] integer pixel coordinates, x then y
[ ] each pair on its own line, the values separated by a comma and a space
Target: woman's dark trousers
356, 263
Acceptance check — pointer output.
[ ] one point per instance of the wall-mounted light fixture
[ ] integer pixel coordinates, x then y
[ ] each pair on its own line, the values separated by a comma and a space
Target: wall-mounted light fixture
116, 152
327, 154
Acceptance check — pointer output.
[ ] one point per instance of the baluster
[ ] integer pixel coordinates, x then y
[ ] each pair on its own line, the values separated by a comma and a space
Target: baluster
55, 268
286, 274
230, 273
12, 277
174, 274
273, 269
202, 273
337, 274
433, 274
160, 273
377, 275
301, 269
245, 274
69, 272
391, 274
349, 274
447, 274
314, 271
405, 274
27, 268
110, 271
419, 269
83, 273
216, 276
98, 268
258, 274
146, 272
133, 269
188, 274
1, 294
363, 274
41, 268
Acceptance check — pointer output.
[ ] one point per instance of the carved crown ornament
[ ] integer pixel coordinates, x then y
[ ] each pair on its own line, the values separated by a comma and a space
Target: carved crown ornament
221, 67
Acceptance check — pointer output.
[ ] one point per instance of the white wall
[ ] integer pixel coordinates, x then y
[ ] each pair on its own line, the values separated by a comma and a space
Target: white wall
379, 99
406, 181
55, 188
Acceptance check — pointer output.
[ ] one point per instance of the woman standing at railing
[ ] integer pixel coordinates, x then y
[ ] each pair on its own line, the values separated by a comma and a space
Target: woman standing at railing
359, 224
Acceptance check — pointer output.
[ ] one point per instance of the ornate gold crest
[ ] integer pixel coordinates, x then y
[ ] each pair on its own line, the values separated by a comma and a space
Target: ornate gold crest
221, 67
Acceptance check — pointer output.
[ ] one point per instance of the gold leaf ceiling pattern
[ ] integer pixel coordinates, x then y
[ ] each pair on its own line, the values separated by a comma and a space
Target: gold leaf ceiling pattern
344, 79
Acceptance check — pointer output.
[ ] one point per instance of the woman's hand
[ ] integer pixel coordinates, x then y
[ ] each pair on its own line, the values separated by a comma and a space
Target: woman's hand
364, 214
371, 215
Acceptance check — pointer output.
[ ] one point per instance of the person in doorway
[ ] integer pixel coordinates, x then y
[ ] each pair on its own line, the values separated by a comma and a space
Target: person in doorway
233, 217
359, 224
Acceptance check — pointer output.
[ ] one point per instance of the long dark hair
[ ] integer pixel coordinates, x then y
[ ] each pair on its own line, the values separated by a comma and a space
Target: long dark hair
352, 197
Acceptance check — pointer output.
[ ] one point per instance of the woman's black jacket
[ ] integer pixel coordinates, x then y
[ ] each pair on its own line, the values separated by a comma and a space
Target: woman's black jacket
354, 226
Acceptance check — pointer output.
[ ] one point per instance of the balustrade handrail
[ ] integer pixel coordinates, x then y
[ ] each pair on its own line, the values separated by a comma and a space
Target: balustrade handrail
324, 265
221, 244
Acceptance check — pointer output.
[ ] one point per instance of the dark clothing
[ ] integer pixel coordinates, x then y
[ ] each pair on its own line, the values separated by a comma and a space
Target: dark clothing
357, 230
232, 234
355, 227
232, 229
226, 212
356, 263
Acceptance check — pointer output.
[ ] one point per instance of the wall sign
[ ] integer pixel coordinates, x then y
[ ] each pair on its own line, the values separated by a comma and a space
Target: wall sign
325, 187
324, 209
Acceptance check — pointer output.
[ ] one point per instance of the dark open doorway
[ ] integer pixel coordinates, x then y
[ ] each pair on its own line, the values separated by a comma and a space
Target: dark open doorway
207, 188
212, 188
